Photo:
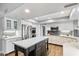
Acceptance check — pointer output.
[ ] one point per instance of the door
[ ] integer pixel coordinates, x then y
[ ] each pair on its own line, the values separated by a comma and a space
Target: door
43, 27
24, 31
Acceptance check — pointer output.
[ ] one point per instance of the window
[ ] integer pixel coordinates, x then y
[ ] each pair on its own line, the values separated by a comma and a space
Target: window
15, 24
8, 24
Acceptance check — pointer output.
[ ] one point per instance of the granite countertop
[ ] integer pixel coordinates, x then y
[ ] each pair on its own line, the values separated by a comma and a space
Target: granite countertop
30, 42
68, 36
62, 39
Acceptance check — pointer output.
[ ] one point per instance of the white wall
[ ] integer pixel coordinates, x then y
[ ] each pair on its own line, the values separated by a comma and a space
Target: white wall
38, 30
63, 26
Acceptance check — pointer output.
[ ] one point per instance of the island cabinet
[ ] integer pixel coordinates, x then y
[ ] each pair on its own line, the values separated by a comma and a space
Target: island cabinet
39, 48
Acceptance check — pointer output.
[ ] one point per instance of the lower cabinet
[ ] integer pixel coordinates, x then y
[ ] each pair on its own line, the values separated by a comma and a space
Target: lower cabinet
38, 51
41, 49
8, 45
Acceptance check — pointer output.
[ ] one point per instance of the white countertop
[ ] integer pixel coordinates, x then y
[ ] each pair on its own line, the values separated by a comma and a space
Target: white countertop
10, 37
30, 42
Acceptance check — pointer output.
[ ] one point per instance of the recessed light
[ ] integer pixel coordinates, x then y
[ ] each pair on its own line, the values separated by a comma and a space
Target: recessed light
31, 20
62, 12
49, 21
27, 10
36, 17
49, 18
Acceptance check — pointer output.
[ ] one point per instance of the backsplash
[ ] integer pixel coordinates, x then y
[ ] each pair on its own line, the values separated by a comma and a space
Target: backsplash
66, 32
9, 33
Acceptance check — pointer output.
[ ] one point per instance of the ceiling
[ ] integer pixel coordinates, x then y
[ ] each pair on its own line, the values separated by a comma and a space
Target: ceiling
37, 9
8, 7
41, 10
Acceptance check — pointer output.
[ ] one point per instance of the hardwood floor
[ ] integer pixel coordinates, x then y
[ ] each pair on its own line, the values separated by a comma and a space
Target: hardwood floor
54, 50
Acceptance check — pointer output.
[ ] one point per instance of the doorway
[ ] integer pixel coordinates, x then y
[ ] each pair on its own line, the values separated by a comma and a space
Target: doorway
43, 27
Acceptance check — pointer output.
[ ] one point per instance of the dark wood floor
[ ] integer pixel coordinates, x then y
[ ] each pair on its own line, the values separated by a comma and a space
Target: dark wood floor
54, 50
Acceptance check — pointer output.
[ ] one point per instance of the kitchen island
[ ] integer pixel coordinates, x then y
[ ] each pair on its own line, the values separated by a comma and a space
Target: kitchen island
32, 47
70, 44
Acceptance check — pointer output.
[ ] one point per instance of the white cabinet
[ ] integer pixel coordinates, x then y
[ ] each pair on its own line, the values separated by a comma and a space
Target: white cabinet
8, 44
10, 24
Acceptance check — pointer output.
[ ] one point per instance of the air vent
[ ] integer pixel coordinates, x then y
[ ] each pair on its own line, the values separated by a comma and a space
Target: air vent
70, 5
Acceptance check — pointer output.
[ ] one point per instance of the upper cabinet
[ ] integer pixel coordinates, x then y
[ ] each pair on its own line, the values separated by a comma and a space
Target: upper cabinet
10, 24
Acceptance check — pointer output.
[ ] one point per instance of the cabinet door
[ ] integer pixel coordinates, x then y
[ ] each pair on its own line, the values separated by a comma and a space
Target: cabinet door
38, 51
43, 49
9, 46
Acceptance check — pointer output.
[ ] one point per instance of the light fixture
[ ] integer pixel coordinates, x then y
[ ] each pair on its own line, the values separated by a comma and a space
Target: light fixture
36, 17
31, 20
62, 12
27, 10
49, 18
49, 21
